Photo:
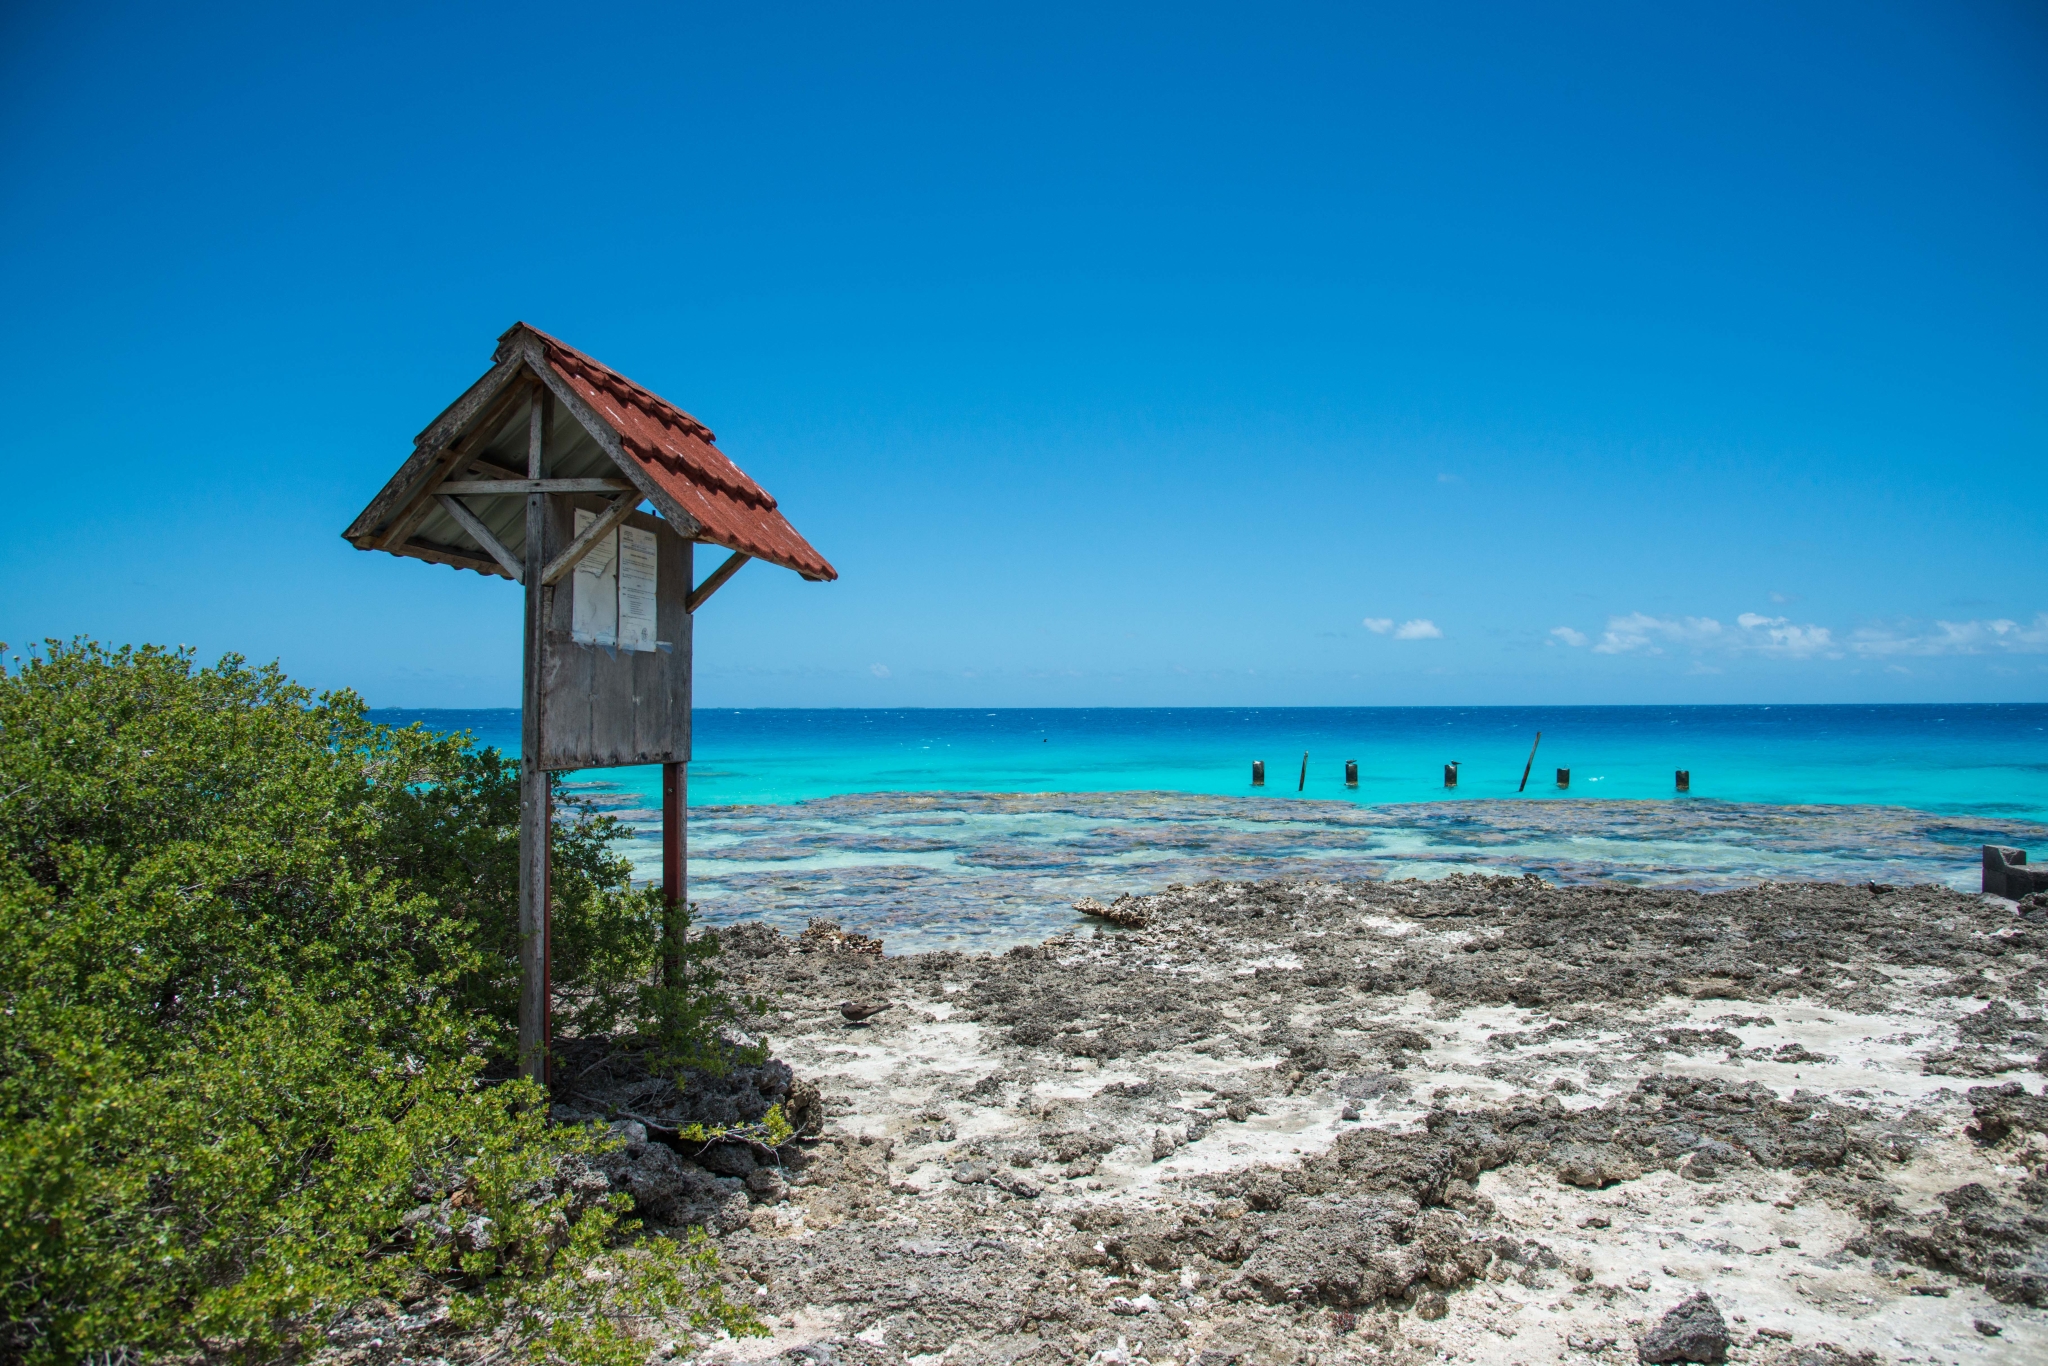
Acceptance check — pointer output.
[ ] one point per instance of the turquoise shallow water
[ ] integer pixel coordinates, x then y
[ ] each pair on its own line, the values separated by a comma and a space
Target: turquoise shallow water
977, 828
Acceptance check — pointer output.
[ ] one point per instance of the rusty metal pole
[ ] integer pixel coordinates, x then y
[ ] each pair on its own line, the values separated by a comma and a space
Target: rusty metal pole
675, 868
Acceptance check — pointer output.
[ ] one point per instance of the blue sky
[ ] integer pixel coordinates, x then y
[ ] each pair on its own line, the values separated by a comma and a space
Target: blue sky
1252, 355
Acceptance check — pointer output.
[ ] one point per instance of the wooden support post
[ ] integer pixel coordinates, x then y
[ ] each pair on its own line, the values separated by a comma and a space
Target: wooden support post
675, 869
1531, 764
1351, 773
1685, 780
1302, 786
534, 822
1258, 773
1450, 775
703, 591
1564, 777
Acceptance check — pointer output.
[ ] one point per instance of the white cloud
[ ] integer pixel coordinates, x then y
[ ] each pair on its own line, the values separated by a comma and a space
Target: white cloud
1419, 629
1756, 634
879, 670
1997, 636
1778, 636
1568, 635
1641, 631
1379, 626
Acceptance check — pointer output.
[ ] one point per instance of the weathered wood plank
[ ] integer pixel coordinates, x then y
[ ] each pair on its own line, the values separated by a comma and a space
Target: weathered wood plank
675, 627
454, 556
484, 538
701, 594
535, 819
611, 707
607, 521
619, 706
505, 486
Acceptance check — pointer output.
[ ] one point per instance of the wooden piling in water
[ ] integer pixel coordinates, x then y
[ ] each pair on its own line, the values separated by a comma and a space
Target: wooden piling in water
1302, 786
1564, 777
1685, 780
1450, 775
1258, 773
1351, 773
1531, 764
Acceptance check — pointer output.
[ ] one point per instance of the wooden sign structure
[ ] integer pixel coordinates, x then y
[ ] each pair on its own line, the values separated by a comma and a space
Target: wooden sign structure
538, 474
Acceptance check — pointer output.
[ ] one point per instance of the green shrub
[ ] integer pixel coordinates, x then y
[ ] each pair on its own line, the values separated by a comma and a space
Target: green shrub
260, 955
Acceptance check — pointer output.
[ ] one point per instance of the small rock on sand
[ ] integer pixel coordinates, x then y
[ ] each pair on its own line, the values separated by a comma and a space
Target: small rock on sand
1126, 911
1693, 1331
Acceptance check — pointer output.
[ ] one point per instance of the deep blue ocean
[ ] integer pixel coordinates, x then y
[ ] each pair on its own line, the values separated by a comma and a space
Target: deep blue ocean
978, 827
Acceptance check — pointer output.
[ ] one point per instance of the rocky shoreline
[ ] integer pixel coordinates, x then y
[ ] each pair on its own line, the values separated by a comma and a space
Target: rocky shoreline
1474, 1119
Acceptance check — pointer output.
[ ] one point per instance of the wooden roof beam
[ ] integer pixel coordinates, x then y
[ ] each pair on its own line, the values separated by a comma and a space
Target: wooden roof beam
459, 452
703, 591
479, 399
454, 556
482, 535
497, 486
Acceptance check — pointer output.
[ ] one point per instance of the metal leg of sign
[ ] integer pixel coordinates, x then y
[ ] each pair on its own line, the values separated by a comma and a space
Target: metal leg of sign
675, 875
547, 933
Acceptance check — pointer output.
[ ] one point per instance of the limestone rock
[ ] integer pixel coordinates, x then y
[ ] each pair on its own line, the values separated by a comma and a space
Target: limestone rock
1594, 1166
1692, 1331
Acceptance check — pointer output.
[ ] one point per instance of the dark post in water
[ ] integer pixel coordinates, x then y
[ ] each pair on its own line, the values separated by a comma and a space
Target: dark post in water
1531, 764
1685, 780
1450, 775
1351, 773
1564, 777
1302, 786
1258, 773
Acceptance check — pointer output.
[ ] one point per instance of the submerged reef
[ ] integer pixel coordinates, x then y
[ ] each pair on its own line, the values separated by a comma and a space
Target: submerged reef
984, 871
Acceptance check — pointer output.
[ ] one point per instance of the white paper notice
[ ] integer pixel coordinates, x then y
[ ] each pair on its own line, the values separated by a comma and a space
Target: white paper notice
636, 589
594, 619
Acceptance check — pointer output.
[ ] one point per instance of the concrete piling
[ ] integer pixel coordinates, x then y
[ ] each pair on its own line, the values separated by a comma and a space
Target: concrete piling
2006, 873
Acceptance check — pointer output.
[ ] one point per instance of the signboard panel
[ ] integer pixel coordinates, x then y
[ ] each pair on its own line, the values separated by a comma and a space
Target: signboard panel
615, 654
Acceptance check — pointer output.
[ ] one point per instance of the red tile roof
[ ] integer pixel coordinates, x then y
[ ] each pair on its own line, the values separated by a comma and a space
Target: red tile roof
676, 451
